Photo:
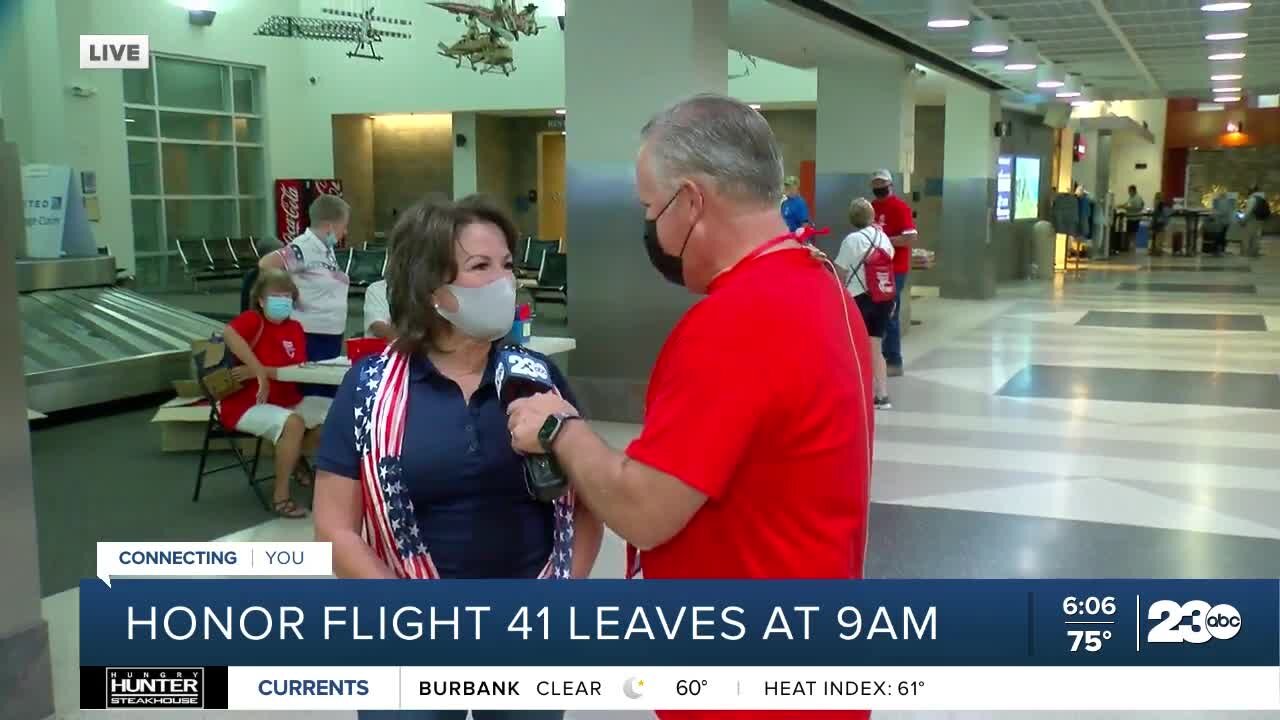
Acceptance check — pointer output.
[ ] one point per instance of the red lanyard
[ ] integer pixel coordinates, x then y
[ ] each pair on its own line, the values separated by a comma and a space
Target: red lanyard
801, 235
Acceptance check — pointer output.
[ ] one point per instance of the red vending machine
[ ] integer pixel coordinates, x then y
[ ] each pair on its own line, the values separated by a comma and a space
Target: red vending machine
293, 197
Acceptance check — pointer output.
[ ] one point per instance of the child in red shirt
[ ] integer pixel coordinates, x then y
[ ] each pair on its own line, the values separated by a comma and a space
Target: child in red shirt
264, 338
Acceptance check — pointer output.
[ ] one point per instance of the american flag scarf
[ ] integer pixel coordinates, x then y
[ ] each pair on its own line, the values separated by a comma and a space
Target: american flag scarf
390, 526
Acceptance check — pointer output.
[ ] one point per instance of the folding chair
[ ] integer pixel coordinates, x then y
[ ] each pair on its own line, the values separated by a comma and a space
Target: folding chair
214, 430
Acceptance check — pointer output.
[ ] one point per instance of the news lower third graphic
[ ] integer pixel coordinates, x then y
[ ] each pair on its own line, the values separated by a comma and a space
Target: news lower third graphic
261, 627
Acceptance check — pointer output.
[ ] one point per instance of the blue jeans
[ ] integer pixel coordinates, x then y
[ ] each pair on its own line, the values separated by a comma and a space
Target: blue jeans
891, 346
321, 347
461, 715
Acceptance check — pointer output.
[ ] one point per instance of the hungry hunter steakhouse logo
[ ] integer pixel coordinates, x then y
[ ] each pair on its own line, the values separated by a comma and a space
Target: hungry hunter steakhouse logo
155, 687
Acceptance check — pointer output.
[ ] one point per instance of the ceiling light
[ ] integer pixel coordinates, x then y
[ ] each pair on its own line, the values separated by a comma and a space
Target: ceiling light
1227, 56
1228, 76
1022, 57
1226, 90
945, 14
1081, 103
1225, 6
1227, 99
754, 106
1070, 88
1049, 77
990, 37
1209, 107
1227, 36
561, 111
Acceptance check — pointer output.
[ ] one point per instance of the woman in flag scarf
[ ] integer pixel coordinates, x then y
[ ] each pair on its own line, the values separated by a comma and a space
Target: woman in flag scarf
416, 475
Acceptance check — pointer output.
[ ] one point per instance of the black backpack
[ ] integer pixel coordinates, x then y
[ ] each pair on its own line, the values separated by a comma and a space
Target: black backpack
1261, 209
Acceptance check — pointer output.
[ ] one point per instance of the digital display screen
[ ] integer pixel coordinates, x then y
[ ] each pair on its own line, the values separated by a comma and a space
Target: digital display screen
1026, 203
1004, 187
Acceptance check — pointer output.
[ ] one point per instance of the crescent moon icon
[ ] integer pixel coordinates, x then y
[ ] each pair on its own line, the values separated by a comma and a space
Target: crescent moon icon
631, 688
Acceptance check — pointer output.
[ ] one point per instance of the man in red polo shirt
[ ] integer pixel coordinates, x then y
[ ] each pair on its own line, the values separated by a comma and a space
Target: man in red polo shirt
755, 455
893, 215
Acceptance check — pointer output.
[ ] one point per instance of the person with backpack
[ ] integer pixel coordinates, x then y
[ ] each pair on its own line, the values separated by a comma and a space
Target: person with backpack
1255, 216
865, 264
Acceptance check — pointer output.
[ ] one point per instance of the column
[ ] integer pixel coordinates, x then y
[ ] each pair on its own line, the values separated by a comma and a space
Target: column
965, 255
26, 681
620, 309
464, 154
866, 117
31, 78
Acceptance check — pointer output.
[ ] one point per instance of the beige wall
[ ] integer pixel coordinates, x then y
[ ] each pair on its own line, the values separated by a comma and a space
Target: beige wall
412, 158
797, 133
353, 164
926, 178
1128, 151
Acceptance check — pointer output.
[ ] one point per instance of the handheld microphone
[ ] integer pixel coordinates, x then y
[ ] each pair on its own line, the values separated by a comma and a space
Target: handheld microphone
519, 375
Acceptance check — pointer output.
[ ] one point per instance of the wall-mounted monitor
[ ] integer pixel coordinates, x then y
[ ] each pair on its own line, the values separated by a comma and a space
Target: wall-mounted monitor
1026, 200
1004, 187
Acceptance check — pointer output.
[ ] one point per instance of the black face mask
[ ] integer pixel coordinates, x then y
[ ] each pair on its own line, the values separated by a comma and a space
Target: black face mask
881, 192
671, 266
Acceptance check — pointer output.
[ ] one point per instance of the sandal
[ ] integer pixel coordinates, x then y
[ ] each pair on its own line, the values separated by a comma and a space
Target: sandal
304, 476
287, 508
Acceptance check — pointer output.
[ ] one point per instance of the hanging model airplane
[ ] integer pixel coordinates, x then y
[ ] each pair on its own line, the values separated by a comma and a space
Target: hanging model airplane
502, 18
360, 29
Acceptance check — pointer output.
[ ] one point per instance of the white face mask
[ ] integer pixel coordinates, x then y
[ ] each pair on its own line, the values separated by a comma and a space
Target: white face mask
484, 313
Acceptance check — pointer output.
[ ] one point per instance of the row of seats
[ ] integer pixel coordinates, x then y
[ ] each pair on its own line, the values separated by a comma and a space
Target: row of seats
542, 262
211, 258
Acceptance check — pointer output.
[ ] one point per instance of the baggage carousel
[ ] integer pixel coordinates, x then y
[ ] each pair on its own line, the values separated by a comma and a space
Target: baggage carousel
87, 341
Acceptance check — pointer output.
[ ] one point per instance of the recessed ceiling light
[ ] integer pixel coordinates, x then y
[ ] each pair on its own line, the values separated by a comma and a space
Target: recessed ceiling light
1225, 6
561, 111
1050, 84
1069, 93
1227, 36
1227, 99
948, 14
1020, 67
1228, 76
1225, 90
1209, 107
1022, 57
990, 37
754, 106
1227, 56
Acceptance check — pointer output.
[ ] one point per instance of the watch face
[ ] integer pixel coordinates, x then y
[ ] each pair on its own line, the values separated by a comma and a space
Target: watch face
548, 431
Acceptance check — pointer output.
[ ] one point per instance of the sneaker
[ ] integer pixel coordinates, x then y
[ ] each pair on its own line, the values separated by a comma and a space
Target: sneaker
894, 371
882, 403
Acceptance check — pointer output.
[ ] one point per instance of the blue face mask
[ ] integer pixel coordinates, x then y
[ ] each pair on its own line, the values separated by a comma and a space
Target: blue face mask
331, 239
278, 308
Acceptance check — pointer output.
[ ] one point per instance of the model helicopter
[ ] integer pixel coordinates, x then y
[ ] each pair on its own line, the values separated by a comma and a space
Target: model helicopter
482, 50
502, 18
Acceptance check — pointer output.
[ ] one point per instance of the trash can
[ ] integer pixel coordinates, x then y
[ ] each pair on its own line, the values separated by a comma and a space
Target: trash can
1043, 249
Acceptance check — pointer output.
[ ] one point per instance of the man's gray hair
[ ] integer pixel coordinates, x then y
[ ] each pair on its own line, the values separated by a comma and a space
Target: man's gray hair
329, 209
721, 140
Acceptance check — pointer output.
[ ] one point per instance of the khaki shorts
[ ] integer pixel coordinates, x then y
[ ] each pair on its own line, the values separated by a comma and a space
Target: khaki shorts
267, 421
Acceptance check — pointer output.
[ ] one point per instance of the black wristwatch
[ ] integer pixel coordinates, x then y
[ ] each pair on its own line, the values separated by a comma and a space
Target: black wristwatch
551, 428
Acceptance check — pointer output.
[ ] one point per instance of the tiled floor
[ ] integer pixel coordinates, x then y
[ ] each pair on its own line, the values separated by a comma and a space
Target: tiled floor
1127, 450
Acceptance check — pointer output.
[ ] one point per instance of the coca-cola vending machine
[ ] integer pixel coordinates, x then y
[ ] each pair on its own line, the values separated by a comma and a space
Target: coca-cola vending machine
293, 198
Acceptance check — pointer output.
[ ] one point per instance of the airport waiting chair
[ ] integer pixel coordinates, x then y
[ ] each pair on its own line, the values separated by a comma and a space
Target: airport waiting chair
214, 430
222, 256
366, 267
246, 288
532, 264
553, 281
343, 257
245, 252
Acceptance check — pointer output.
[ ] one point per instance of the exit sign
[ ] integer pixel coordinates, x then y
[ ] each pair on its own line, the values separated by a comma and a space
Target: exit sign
115, 52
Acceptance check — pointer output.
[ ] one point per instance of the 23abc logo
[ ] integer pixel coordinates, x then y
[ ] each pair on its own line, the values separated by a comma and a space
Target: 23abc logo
1192, 622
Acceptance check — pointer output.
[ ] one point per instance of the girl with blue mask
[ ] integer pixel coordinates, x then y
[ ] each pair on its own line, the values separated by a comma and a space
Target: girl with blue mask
265, 339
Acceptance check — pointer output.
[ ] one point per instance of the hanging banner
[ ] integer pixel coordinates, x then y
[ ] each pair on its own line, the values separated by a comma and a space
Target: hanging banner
57, 223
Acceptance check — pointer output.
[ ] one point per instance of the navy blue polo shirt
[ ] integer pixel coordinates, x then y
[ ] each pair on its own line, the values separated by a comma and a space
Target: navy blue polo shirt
466, 483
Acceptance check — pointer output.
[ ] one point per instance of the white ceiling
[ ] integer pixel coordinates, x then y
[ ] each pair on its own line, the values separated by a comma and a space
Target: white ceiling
1166, 36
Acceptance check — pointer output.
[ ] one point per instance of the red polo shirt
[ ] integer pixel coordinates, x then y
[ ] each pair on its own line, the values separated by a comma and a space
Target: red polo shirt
759, 402
893, 215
